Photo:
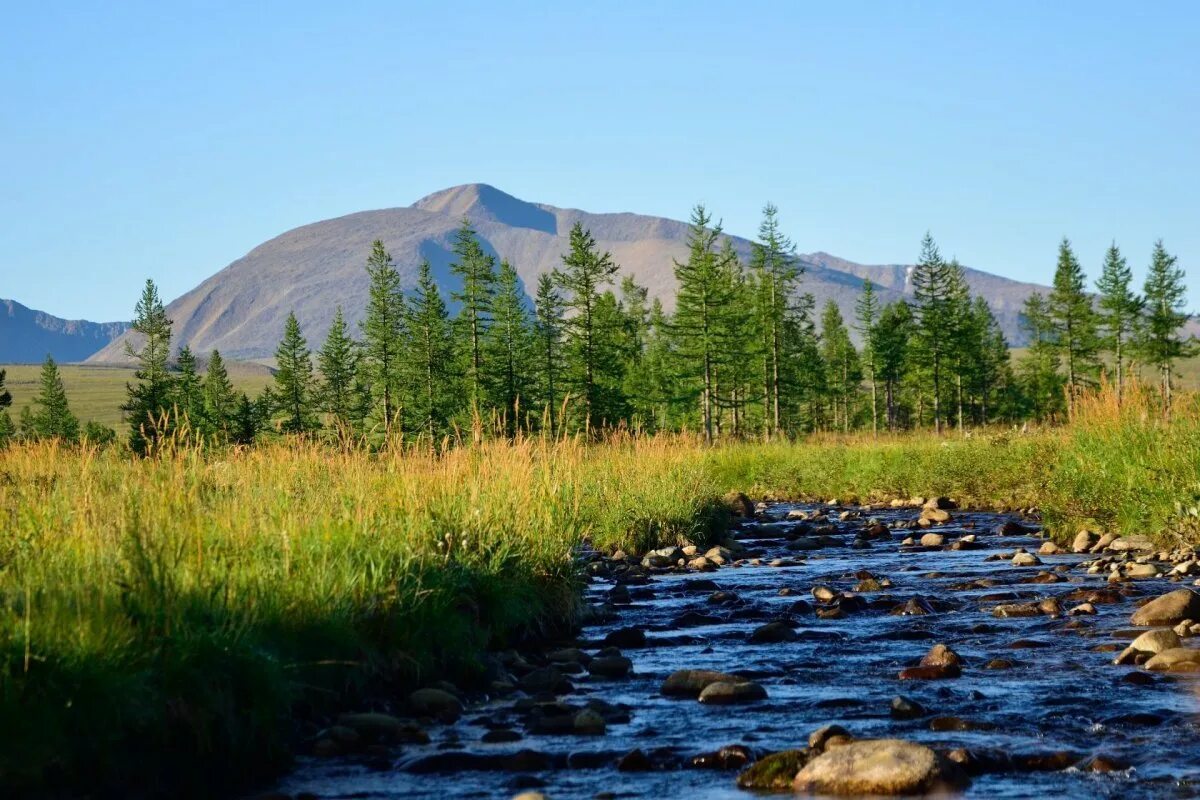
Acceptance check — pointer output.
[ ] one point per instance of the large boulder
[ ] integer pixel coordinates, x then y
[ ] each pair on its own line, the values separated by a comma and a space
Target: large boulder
878, 767
691, 682
724, 693
774, 773
1177, 659
1169, 609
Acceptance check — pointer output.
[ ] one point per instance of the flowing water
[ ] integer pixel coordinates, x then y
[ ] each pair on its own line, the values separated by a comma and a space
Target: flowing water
1060, 696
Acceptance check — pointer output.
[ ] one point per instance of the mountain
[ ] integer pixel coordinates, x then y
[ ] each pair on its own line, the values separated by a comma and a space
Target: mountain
27, 336
315, 268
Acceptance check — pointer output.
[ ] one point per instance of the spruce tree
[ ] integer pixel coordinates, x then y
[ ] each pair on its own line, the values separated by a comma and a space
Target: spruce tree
777, 276
1040, 377
219, 399
611, 405
50, 415
652, 384
1161, 342
477, 271
584, 272
508, 349
892, 335
189, 397
737, 371
244, 422
548, 331
866, 315
932, 283
1120, 311
841, 363
338, 363
294, 381
1074, 320
703, 298
430, 348
148, 403
383, 333
7, 428
964, 337
989, 369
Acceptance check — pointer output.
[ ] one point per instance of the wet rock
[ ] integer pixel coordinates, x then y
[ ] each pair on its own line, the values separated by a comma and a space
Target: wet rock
1102, 763
1084, 541
724, 693
915, 607
1009, 610
384, 728
435, 702
773, 633
635, 761
610, 666
929, 673
868, 585
1137, 541
691, 682
1135, 571
740, 505
1156, 641
933, 540
720, 598
878, 767
941, 503
943, 724
1169, 609
588, 723
824, 594
998, 663
545, 680
905, 708
693, 619
501, 736
828, 736
941, 655
626, 638
1082, 608
1177, 659
774, 773
1049, 549
733, 756
1054, 761
937, 516
1026, 560
1103, 542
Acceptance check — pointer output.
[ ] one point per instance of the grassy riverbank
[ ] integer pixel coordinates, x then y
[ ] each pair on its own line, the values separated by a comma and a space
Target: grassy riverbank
163, 621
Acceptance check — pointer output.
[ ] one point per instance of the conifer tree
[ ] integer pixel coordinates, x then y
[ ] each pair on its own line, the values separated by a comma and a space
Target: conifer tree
652, 386
1161, 342
383, 334
50, 415
219, 398
777, 276
611, 405
244, 422
1120, 311
703, 299
1043, 385
189, 397
430, 348
148, 403
893, 333
866, 313
841, 363
584, 272
509, 347
989, 367
932, 282
477, 271
737, 373
338, 363
548, 329
1074, 320
7, 428
294, 381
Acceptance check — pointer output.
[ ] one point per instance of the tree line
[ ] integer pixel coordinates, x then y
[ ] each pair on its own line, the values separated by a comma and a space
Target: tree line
745, 353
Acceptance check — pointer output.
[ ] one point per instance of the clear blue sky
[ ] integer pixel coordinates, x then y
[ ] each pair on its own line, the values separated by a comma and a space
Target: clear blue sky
167, 139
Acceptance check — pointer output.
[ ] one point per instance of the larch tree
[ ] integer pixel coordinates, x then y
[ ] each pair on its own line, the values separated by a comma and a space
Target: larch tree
585, 271
383, 334
548, 359
50, 417
338, 364
777, 274
148, 401
1074, 319
1161, 341
934, 315
295, 384
1120, 311
866, 315
430, 348
841, 363
964, 337
891, 341
509, 349
1040, 375
476, 269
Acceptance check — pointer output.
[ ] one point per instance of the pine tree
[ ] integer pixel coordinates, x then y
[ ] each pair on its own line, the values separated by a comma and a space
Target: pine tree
50, 415
383, 333
148, 404
338, 363
866, 315
1042, 382
294, 381
778, 272
430, 348
934, 312
1120, 311
585, 270
1161, 342
841, 363
7, 429
219, 398
892, 335
189, 397
508, 348
477, 271
1074, 320
548, 329
704, 296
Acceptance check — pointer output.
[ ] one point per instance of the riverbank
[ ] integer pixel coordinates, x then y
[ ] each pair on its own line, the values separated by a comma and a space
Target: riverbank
192, 613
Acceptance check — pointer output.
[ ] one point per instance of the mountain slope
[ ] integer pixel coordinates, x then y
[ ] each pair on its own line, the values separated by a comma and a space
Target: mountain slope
315, 268
27, 336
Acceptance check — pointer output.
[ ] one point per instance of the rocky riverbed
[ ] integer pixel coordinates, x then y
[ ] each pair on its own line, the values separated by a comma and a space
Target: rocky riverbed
829, 649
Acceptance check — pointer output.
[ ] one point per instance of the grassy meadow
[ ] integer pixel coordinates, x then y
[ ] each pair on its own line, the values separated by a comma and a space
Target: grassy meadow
193, 611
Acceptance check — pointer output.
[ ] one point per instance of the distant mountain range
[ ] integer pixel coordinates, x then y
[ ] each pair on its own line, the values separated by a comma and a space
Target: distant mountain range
27, 336
313, 269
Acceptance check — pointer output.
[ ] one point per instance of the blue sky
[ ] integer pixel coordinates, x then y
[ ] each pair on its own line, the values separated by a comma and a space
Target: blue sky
165, 140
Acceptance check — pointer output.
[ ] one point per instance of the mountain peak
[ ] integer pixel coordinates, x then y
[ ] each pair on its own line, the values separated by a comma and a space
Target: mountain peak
480, 202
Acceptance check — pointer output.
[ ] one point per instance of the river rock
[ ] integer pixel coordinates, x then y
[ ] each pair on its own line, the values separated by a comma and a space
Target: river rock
1084, 541
724, 693
828, 736
1026, 560
774, 773
434, 702
933, 540
626, 637
1177, 659
691, 682
1126, 543
545, 680
1049, 549
1008, 610
906, 708
739, 505
941, 655
588, 723
1169, 609
384, 728
610, 666
1103, 542
1140, 571
935, 515
731, 756
929, 673
1156, 641
940, 503
1082, 608
773, 633
877, 767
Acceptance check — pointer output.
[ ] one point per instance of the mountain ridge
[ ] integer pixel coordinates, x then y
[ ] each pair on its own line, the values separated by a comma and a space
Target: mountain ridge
28, 335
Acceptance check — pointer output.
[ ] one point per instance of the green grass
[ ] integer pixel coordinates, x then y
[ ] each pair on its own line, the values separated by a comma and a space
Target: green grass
96, 392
